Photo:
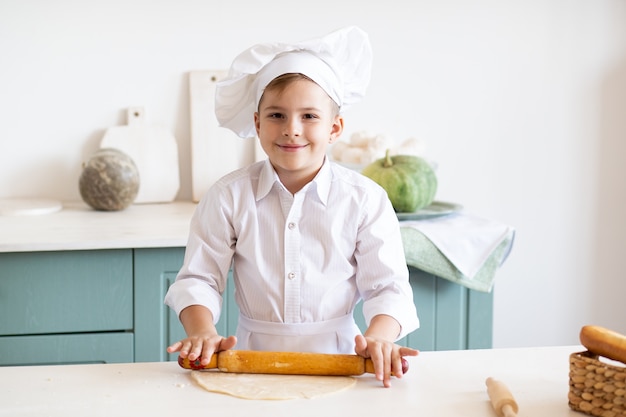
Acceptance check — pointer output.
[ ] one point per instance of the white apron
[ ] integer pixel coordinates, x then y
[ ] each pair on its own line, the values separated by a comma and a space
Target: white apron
330, 336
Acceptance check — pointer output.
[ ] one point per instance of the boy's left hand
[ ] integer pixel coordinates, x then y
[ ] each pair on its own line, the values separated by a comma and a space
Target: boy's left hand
386, 356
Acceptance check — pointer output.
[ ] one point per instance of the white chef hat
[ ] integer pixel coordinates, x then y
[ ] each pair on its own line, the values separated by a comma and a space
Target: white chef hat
340, 63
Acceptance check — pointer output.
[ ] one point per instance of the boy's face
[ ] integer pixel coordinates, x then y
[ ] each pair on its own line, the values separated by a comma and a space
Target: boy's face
295, 127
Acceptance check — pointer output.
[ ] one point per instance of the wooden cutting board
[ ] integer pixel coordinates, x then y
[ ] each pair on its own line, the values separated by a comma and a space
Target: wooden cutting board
215, 151
155, 152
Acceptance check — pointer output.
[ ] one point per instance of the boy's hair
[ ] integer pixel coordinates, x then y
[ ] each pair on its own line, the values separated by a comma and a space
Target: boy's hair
281, 82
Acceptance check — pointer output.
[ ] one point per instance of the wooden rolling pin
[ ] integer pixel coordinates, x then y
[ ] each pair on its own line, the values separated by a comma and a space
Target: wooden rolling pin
604, 342
501, 398
287, 363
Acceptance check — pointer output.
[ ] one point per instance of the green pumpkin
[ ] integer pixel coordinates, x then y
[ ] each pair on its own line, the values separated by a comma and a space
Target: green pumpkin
409, 180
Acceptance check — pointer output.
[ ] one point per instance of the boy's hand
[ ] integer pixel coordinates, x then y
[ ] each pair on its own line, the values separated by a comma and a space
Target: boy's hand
202, 338
386, 356
202, 346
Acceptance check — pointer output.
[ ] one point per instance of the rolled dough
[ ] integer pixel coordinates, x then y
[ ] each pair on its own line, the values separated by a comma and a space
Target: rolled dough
271, 387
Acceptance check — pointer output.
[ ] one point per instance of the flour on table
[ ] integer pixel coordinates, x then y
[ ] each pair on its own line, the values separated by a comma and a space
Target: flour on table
271, 387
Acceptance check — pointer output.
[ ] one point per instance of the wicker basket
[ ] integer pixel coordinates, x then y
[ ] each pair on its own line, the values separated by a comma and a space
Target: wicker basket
596, 387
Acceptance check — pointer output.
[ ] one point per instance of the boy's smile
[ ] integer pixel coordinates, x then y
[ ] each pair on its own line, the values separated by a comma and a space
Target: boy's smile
295, 125
291, 148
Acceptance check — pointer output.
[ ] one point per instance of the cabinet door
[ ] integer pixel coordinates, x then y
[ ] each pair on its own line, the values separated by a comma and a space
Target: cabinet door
66, 349
66, 292
451, 316
156, 325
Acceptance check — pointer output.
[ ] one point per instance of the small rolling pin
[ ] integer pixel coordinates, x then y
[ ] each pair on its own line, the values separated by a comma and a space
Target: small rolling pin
501, 398
286, 363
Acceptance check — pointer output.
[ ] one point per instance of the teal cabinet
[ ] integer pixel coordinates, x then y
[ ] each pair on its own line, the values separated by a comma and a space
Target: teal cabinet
452, 317
102, 306
79, 348
65, 292
156, 325
69, 307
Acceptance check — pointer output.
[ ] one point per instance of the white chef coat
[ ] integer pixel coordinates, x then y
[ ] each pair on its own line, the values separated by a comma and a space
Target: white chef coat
300, 262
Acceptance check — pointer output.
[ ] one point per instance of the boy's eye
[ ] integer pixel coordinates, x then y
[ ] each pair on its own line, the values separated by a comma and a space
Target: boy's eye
275, 115
310, 116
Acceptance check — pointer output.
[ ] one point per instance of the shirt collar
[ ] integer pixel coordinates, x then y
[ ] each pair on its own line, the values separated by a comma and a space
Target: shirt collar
268, 177
323, 180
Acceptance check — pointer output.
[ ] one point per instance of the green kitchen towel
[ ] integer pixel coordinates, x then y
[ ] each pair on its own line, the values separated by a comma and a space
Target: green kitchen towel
462, 248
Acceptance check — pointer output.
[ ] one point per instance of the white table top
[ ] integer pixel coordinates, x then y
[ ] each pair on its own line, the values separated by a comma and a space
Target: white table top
438, 384
78, 227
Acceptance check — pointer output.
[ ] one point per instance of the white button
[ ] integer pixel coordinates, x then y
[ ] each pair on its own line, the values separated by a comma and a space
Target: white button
291, 275
291, 225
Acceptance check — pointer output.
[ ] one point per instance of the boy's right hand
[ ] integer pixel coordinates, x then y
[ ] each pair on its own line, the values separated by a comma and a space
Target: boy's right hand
202, 338
202, 346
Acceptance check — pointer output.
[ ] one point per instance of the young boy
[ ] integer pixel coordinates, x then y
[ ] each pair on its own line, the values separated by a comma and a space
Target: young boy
306, 238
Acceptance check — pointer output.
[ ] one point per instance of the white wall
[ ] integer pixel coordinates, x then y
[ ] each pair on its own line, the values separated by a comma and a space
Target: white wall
522, 103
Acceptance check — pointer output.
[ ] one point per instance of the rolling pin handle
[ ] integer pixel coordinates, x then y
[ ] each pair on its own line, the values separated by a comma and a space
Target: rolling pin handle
501, 398
196, 365
508, 411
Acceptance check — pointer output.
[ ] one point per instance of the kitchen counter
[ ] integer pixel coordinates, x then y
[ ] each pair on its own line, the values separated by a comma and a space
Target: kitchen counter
445, 383
78, 227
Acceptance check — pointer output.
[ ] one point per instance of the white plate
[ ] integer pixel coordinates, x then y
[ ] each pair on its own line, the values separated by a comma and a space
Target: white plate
436, 209
28, 206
